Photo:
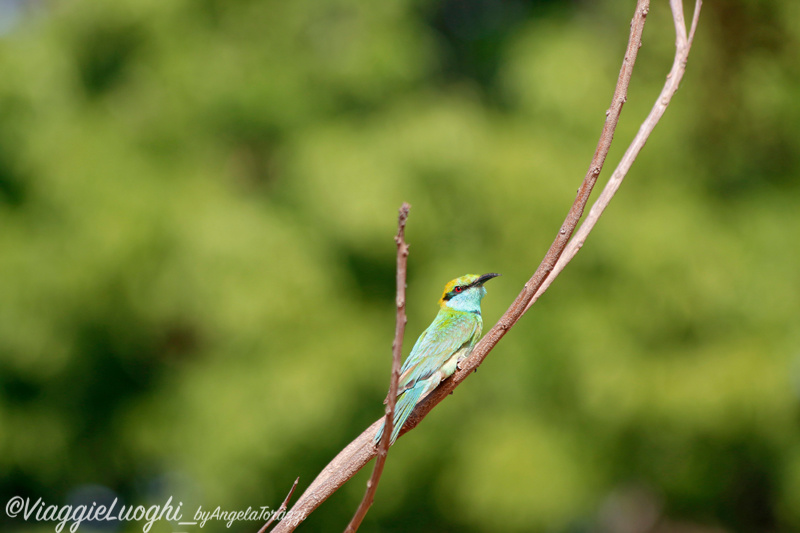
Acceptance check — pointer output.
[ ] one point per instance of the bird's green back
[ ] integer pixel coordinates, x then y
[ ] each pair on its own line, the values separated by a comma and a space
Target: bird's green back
450, 332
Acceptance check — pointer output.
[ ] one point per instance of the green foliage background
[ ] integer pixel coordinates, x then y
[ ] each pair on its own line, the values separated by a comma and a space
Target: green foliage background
197, 203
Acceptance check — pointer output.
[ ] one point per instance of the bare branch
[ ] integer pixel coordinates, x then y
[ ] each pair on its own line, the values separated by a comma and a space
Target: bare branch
520, 304
281, 509
397, 349
360, 451
682, 47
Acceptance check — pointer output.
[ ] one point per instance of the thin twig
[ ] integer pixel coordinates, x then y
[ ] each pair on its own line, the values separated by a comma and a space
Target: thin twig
281, 509
683, 44
397, 349
353, 457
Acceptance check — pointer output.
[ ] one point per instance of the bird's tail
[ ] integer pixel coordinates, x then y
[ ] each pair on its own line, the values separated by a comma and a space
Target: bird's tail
405, 404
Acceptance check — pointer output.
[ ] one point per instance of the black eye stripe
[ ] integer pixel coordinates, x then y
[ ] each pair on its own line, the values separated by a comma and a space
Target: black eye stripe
457, 290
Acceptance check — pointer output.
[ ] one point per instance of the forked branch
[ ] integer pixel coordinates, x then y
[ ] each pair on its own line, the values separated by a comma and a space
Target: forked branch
683, 42
361, 450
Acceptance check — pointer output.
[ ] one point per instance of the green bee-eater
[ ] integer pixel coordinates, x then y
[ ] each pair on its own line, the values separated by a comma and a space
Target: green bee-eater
438, 351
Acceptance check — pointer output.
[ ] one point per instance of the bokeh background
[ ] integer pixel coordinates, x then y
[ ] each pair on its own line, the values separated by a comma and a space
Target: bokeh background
197, 204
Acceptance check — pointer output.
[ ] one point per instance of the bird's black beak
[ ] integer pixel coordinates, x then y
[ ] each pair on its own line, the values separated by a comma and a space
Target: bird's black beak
486, 277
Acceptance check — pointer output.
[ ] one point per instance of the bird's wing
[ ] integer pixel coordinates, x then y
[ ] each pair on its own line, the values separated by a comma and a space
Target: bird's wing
448, 333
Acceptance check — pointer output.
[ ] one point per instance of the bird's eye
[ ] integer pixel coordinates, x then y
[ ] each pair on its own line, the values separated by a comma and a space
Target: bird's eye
458, 289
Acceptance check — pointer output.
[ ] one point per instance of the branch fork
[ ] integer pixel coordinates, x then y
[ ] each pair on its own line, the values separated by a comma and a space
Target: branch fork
564, 247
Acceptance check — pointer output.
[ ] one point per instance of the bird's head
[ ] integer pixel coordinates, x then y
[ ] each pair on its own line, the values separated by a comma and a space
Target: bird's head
465, 293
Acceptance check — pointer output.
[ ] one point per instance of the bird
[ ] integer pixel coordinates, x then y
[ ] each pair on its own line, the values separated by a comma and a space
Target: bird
441, 347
